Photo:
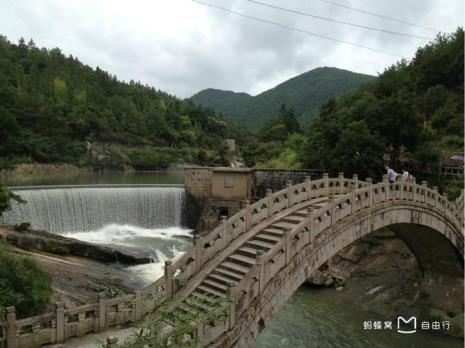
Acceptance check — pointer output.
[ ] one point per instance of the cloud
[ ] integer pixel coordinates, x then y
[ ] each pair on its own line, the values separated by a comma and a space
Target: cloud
181, 47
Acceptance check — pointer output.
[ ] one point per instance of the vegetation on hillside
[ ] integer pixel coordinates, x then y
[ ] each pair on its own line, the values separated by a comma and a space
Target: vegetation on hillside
23, 284
53, 106
303, 93
408, 117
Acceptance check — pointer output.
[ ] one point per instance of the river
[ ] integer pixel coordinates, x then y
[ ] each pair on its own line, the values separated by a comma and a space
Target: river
311, 318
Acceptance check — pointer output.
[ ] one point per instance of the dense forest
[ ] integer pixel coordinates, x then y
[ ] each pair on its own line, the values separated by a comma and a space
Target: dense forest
303, 93
53, 108
410, 116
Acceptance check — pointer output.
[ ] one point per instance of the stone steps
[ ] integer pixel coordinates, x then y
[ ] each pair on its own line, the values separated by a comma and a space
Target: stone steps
210, 291
258, 244
231, 266
267, 238
228, 274
241, 259
248, 251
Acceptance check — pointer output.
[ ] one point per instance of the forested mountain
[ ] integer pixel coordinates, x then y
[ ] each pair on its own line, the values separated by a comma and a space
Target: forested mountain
53, 108
410, 117
303, 93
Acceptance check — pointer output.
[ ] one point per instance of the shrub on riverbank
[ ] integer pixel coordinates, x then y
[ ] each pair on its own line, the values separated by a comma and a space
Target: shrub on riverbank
23, 283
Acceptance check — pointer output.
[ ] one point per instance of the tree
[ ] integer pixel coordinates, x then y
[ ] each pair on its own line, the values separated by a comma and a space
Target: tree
6, 198
288, 118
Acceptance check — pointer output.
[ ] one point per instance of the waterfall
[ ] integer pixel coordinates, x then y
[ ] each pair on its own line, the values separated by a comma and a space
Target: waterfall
68, 209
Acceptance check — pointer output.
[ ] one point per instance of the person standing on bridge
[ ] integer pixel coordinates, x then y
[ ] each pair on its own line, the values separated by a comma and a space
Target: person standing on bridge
391, 174
406, 176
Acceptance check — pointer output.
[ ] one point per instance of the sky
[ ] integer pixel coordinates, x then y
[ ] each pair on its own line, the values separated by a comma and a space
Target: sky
182, 47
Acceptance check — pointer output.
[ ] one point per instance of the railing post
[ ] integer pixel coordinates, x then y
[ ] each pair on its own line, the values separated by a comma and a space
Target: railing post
169, 279
224, 235
340, 178
102, 312
414, 189
308, 187
248, 215
231, 293
289, 193
310, 217
11, 327
355, 179
198, 242
261, 264
269, 202
326, 183
288, 244
60, 322
435, 189
386, 187
369, 181
139, 305
424, 183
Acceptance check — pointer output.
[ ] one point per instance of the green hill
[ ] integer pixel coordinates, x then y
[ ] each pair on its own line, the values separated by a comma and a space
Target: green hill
52, 106
304, 93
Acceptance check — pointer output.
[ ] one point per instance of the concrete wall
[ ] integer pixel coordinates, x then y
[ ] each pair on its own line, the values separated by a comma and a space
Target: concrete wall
275, 179
198, 181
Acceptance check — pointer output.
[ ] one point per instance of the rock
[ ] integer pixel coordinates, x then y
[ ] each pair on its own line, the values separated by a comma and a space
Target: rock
456, 326
60, 245
329, 282
339, 288
317, 278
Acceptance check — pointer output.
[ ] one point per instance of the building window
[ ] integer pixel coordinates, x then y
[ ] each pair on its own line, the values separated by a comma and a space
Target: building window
228, 181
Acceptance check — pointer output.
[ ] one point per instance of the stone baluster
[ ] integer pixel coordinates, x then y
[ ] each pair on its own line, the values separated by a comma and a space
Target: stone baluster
198, 245
386, 187
269, 192
414, 189
289, 193
102, 312
231, 293
355, 179
311, 232
287, 244
261, 264
225, 238
169, 279
326, 183
424, 184
435, 190
308, 188
340, 177
60, 322
11, 327
248, 215
369, 181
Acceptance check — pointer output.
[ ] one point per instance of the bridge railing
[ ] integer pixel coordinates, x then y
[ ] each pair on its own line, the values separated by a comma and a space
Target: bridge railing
60, 325
206, 247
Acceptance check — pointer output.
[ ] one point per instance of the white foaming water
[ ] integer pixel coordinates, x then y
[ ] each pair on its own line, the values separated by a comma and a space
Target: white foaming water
125, 234
148, 273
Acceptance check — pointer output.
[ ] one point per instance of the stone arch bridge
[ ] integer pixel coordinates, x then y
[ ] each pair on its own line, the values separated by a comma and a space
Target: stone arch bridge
261, 255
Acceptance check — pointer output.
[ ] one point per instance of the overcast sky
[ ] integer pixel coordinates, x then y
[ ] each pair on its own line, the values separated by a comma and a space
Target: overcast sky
182, 47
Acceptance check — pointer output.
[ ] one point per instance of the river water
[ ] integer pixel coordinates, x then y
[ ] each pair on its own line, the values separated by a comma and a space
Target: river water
311, 318
322, 318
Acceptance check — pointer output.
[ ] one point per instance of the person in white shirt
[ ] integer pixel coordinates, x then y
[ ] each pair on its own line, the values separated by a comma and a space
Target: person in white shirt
391, 174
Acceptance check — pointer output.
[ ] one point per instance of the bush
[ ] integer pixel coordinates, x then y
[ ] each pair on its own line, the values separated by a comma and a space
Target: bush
23, 284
